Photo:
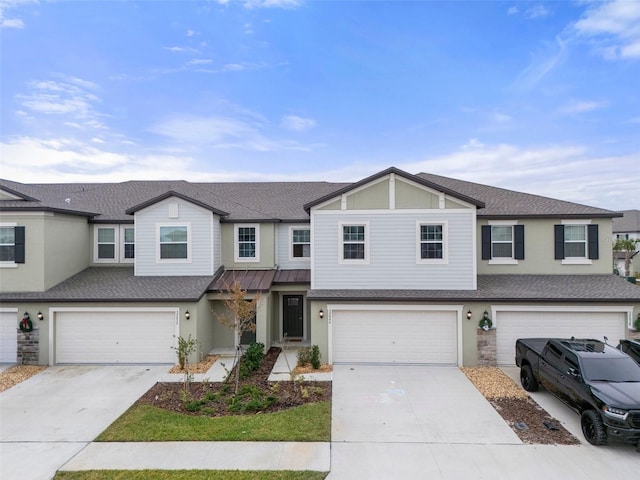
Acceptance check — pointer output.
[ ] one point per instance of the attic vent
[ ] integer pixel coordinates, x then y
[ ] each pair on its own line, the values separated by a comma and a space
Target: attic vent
173, 210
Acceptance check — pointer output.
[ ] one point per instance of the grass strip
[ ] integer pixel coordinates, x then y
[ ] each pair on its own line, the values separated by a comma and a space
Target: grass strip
145, 423
190, 475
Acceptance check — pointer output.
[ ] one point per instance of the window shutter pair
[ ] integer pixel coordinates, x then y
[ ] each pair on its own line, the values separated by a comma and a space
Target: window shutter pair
518, 242
19, 244
593, 252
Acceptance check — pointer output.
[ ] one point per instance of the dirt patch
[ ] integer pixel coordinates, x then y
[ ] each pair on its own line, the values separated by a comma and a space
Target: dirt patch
526, 418
216, 398
300, 370
17, 374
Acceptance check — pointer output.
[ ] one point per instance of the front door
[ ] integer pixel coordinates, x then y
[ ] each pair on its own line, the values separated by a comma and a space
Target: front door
292, 311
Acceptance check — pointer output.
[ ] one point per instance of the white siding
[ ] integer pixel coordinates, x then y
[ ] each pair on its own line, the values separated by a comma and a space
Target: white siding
392, 252
283, 248
203, 226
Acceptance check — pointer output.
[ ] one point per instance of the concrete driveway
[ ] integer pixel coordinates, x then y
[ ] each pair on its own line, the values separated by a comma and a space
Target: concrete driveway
49, 418
424, 404
431, 422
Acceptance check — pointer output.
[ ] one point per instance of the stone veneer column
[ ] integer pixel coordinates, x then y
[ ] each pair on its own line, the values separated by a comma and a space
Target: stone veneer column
487, 348
28, 347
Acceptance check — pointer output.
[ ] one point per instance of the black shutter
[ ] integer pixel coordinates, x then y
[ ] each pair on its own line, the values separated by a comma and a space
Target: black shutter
558, 231
19, 244
592, 233
486, 242
518, 233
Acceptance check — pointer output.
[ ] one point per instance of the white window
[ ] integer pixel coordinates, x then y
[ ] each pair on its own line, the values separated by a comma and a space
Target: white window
300, 243
247, 243
106, 244
432, 238
575, 241
173, 242
501, 241
128, 244
354, 243
114, 243
11, 245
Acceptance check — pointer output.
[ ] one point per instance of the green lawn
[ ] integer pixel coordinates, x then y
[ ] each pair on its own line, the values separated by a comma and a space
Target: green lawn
189, 475
145, 423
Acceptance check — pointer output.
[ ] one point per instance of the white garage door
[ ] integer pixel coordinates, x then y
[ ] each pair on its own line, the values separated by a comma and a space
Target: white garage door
115, 337
8, 337
513, 325
394, 336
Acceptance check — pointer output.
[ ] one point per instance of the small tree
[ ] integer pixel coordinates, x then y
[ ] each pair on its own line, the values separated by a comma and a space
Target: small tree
240, 316
628, 246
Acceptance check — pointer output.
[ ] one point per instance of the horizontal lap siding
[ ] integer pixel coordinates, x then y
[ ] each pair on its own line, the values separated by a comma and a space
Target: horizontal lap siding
202, 246
392, 253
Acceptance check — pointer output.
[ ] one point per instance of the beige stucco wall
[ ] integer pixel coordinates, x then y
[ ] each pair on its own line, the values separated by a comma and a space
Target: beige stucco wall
539, 251
56, 248
267, 247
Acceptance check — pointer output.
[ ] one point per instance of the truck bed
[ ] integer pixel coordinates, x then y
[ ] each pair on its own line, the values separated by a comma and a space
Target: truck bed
535, 344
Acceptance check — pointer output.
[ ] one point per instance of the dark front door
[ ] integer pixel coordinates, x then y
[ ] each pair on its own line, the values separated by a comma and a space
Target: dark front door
292, 316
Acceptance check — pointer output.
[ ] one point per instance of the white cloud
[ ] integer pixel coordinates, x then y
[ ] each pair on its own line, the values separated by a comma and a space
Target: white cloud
513, 10
272, 3
615, 26
501, 118
12, 23
582, 106
199, 61
298, 124
543, 63
191, 33
537, 11
177, 49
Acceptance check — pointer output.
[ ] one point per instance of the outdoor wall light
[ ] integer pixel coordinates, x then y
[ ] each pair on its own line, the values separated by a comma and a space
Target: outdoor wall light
469, 315
485, 315
40, 316
187, 315
321, 313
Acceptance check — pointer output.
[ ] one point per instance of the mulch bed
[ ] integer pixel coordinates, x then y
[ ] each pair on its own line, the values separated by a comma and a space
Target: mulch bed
171, 395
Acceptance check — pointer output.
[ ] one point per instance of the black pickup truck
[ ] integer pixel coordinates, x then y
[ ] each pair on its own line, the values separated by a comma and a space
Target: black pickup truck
631, 348
598, 381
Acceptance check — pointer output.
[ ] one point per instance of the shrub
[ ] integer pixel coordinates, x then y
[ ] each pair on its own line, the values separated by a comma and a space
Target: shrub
309, 356
252, 359
315, 357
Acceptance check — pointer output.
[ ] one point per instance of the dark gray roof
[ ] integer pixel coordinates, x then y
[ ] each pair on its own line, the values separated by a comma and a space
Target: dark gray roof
267, 201
628, 223
508, 288
118, 284
500, 202
249, 280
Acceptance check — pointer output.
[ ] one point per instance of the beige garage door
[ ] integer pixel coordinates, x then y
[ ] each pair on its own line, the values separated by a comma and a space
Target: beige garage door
394, 336
513, 325
108, 337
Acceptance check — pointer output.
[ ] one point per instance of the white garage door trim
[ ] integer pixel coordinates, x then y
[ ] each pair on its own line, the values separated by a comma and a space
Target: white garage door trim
457, 309
9, 335
53, 316
617, 328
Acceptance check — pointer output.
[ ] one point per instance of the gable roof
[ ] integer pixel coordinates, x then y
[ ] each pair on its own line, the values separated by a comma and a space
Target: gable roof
628, 223
401, 173
501, 203
269, 201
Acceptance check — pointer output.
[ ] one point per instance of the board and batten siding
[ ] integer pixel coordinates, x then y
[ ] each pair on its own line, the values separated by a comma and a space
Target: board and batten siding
284, 248
393, 251
204, 229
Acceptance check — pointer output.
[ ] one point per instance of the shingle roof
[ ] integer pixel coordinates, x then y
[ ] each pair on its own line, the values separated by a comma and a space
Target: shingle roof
508, 288
267, 201
500, 202
118, 284
628, 223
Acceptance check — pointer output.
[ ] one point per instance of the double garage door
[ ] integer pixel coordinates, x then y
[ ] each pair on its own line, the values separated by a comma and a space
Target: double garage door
114, 336
511, 325
387, 336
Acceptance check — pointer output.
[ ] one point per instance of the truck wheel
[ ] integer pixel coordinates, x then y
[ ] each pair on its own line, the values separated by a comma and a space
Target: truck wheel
593, 427
527, 379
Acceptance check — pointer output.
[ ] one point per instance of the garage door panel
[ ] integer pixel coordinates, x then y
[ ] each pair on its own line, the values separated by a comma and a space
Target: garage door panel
8, 337
372, 336
115, 337
515, 324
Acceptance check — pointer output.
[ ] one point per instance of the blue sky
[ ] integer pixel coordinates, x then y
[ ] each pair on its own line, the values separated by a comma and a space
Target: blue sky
541, 97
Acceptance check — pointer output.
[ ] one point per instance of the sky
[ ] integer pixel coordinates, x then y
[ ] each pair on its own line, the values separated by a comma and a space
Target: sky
538, 97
